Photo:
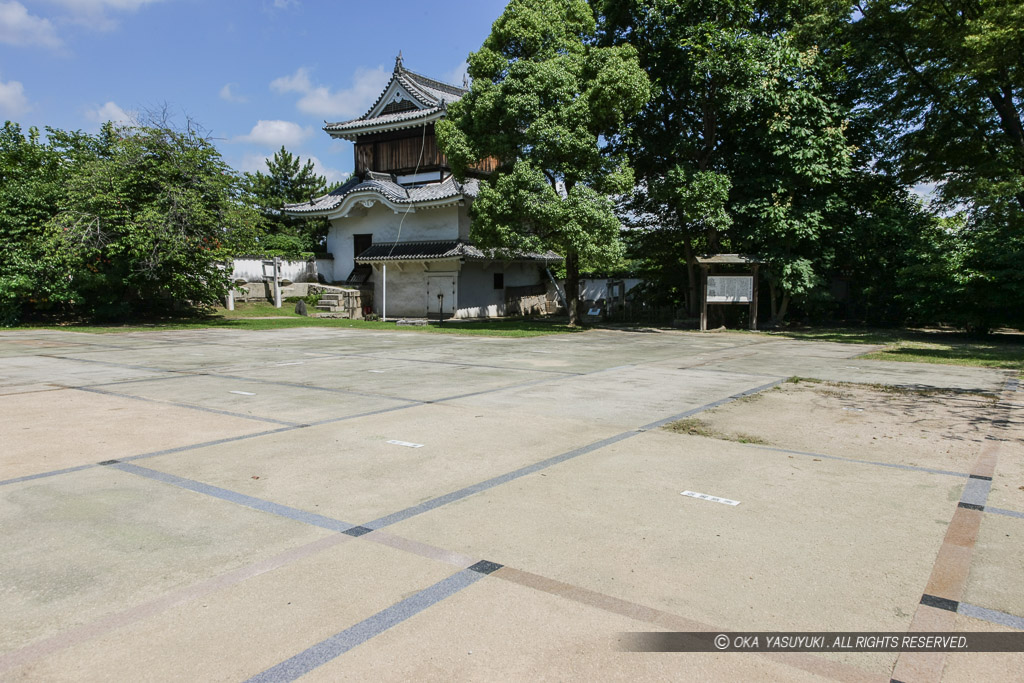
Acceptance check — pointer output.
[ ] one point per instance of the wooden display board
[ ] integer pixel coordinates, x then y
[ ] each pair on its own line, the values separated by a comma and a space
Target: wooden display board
727, 288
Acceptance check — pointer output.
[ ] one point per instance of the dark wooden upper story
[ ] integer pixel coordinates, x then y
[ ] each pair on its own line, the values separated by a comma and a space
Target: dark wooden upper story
402, 151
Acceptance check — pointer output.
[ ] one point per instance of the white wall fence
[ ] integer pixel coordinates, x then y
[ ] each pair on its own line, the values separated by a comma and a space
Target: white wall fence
595, 289
251, 269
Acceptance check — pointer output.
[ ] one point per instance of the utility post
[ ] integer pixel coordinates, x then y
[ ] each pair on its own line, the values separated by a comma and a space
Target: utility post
277, 282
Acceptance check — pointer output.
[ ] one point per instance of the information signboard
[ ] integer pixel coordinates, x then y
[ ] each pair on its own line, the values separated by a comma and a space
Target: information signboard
730, 289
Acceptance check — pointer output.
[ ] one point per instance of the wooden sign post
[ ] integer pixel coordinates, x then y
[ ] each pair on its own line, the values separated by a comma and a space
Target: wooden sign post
727, 287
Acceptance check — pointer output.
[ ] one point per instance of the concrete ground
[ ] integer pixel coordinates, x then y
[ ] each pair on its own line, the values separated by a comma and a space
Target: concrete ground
358, 505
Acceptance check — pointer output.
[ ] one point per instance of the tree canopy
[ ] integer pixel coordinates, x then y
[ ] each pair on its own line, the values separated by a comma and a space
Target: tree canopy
741, 145
134, 219
288, 181
546, 101
802, 133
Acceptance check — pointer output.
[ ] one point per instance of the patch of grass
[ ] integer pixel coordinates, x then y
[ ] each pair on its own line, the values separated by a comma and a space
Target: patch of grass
995, 354
259, 309
690, 425
842, 335
263, 316
693, 426
804, 380
1003, 350
882, 388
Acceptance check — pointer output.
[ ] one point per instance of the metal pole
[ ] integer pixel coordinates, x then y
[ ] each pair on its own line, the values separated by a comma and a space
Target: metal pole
277, 282
703, 298
384, 298
753, 300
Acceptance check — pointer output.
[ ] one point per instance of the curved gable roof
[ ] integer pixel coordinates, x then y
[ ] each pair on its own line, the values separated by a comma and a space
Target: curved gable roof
382, 188
428, 95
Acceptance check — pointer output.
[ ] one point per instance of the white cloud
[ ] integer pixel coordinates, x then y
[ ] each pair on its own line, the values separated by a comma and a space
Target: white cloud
333, 175
18, 27
276, 134
319, 100
93, 13
12, 99
285, 4
251, 163
228, 95
297, 82
111, 112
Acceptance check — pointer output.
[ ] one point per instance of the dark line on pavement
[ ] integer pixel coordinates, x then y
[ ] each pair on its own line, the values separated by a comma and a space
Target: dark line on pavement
43, 475
166, 451
189, 406
297, 385
107, 362
435, 503
295, 514
376, 356
912, 468
939, 603
1001, 511
709, 406
340, 643
206, 444
992, 615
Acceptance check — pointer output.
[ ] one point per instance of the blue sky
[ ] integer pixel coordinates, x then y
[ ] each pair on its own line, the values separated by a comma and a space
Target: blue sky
257, 74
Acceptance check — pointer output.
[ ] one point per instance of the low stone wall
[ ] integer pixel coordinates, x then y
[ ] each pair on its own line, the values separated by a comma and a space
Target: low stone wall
538, 299
264, 291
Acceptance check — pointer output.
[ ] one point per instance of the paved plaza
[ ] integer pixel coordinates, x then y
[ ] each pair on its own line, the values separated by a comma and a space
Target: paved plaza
341, 504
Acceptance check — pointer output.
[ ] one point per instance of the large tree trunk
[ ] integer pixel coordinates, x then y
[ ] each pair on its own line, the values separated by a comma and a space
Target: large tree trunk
778, 304
780, 318
572, 286
692, 293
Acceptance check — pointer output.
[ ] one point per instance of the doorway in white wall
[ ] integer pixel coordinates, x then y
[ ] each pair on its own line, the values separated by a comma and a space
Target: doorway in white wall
441, 295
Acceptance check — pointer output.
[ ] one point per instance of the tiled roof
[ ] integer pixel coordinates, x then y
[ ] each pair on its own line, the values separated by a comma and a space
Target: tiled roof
422, 251
431, 97
398, 117
384, 185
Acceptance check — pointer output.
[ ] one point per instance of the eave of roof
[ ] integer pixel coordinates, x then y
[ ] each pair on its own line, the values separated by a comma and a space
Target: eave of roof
381, 187
350, 130
430, 96
727, 258
444, 249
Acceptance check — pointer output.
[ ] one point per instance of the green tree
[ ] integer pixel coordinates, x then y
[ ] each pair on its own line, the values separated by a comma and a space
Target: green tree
288, 181
945, 85
942, 87
33, 175
742, 143
145, 222
30, 177
546, 101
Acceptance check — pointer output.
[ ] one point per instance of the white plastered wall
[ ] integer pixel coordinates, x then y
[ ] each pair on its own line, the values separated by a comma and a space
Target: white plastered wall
412, 287
444, 223
477, 296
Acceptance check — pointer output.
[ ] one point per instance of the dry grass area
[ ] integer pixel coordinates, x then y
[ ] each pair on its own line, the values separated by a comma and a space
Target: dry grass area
935, 429
694, 426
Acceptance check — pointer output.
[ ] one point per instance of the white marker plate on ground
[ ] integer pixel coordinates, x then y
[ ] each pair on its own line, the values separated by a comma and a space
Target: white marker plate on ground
242, 393
407, 444
295, 363
375, 370
713, 499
